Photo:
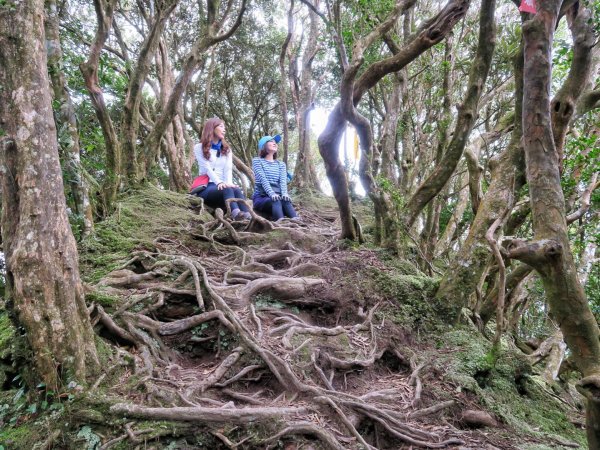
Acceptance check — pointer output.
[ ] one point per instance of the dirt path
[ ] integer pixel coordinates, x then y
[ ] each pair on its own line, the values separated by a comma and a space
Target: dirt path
251, 335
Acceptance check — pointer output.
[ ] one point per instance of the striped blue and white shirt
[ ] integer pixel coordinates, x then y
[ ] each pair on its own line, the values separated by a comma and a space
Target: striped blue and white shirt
267, 173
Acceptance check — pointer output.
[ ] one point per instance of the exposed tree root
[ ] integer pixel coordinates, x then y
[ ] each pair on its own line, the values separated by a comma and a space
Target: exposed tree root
207, 415
307, 428
290, 369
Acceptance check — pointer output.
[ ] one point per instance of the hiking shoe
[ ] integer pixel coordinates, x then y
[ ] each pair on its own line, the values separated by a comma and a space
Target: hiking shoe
244, 215
297, 219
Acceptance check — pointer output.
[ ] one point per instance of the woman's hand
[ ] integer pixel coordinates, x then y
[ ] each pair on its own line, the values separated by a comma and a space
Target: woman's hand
286, 198
275, 197
222, 186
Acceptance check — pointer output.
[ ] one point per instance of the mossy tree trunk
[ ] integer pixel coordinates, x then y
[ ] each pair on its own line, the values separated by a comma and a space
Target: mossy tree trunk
549, 252
467, 114
508, 176
42, 269
68, 132
508, 171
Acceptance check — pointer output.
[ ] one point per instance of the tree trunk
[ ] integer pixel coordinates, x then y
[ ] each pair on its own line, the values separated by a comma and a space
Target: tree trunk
131, 107
564, 102
174, 142
549, 252
467, 115
329, 143
89, 69
305, 173
42, 270
389, 141
461, 278
68, 134
189, 67
472, 154
432, 32
282, 87
442, 246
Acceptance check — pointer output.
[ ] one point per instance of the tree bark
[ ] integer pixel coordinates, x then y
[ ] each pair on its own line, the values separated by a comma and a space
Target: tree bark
467, 115
549, 252
461, 277
42, 270
389, 141
174, 142
89, 69
66, 121
131, 107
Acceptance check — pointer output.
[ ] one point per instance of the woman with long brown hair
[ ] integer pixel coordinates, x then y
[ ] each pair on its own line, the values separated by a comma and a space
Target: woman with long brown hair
215, 160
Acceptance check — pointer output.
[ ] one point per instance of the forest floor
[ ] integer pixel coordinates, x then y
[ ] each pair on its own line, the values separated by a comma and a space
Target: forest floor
219, 334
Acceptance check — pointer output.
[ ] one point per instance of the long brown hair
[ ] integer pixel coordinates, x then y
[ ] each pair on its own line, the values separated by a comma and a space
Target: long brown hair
207, 136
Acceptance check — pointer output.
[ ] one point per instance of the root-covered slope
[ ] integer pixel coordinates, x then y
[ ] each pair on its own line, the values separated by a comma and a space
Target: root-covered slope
260, 335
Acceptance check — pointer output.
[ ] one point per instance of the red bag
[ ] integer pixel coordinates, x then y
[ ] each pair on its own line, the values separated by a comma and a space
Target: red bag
527, 6
199, 184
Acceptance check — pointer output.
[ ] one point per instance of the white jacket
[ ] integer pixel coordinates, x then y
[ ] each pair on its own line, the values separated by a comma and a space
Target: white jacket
219, 170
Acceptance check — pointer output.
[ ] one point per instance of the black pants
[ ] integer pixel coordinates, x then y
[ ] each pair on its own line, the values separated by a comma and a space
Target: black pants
215, 198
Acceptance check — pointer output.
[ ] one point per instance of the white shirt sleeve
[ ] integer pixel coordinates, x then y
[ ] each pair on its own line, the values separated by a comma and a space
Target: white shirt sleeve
229, 168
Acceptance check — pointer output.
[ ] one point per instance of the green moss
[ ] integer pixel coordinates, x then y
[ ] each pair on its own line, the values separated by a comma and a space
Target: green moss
7, 333
105, 300
504, 385
23, 436
7, 339
139, 218
401, 265
412, 297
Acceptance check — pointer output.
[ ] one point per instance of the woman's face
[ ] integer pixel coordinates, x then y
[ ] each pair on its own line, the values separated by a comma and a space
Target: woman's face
271, 147
219, 132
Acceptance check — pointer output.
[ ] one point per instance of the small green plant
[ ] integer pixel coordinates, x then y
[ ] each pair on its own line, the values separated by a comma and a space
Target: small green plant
200, 329
91, 439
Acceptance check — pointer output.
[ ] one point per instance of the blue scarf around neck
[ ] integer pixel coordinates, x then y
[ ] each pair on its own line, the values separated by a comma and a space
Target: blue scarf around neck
217, 147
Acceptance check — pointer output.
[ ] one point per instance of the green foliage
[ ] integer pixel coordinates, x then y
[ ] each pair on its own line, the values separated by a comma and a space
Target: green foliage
594, 20
91, 439
28, 412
